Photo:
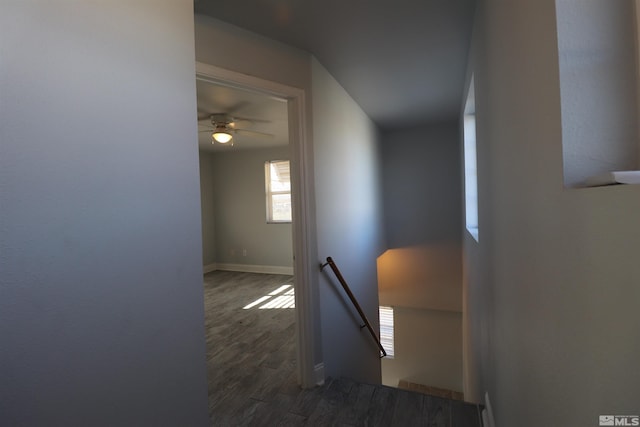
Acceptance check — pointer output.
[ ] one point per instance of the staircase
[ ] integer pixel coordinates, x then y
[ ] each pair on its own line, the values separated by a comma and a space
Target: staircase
433, 391
343, 402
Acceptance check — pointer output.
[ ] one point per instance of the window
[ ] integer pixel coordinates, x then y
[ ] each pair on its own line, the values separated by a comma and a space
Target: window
386, 330
278, 189
470, 171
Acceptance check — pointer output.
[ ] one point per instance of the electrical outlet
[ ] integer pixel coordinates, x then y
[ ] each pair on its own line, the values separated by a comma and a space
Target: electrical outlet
244, 252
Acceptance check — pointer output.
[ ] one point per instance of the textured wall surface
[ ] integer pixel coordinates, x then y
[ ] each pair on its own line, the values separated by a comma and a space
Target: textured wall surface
239, 191
553, 288
101, 304
421, 275
350, 228
598, 87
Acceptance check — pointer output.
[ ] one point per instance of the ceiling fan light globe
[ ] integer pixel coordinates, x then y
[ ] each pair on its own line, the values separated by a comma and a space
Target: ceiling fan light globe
222, 137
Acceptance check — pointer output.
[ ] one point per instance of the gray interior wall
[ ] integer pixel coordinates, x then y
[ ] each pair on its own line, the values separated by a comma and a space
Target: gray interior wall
421, 275
559, 333
207, 209
428, 349
350, 228
230, 47
427, 276
598, 87
422, 185
101, 304
240, 210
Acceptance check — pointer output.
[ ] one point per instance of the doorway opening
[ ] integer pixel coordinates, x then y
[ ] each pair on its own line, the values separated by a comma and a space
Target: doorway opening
246, 128
247, 246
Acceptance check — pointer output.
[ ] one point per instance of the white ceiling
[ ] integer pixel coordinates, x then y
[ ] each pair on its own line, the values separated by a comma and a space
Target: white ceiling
269, 116
403, 61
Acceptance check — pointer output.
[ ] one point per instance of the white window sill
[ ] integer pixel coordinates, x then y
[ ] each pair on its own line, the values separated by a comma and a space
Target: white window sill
474, 232
613, 178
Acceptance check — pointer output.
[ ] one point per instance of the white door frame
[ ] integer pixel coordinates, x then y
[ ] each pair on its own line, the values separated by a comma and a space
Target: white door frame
303, 224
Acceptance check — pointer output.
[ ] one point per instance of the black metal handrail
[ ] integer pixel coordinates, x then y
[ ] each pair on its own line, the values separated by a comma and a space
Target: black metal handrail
354, 301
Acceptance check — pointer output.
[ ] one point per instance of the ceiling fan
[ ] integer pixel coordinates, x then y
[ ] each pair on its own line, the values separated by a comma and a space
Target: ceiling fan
223, 127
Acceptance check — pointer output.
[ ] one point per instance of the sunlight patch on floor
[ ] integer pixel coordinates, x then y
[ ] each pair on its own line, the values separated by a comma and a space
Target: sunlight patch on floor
283, 297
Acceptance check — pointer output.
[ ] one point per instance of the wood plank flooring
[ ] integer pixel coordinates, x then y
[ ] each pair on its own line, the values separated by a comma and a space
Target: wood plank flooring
251, 353
251, 370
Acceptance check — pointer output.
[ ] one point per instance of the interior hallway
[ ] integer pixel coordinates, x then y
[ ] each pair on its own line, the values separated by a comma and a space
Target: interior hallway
251, 368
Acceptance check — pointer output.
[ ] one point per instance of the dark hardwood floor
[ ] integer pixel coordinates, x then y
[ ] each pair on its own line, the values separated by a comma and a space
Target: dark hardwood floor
251, 358
251, 353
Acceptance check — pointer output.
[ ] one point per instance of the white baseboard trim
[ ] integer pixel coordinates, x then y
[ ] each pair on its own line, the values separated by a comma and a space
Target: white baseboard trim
485, 418
248, 268
209, 268
318, 371
487, 413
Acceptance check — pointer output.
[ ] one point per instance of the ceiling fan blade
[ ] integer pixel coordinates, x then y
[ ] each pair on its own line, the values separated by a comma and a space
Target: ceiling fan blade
250, 119
213, 117
254, 133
